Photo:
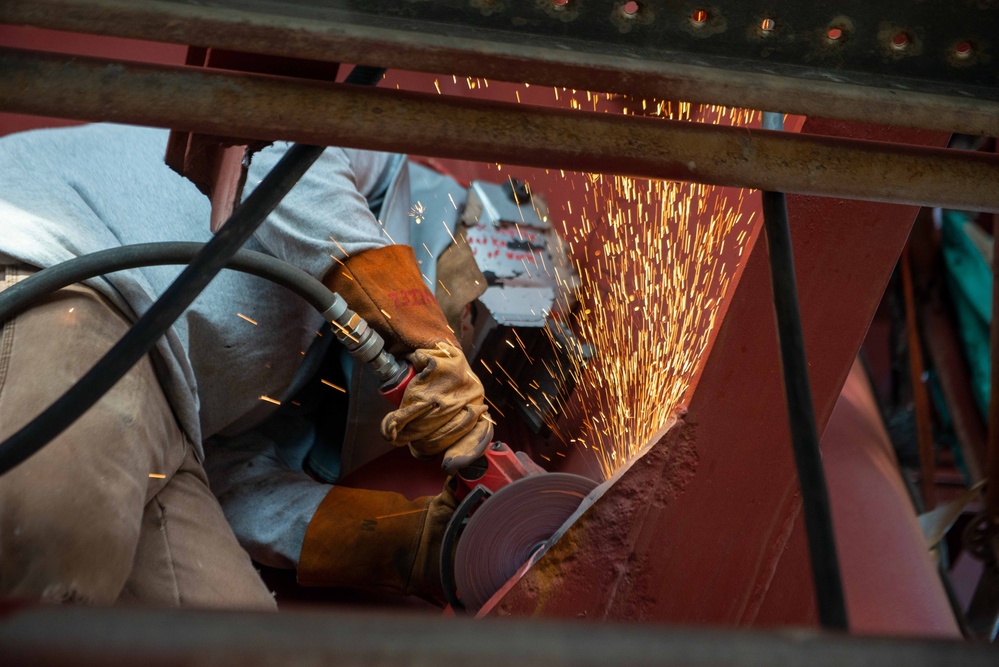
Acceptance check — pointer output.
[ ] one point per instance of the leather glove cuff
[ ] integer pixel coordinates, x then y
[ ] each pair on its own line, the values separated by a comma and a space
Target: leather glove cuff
384, 286
377, 540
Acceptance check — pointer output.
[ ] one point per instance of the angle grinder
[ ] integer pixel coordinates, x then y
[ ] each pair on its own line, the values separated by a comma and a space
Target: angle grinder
508, 512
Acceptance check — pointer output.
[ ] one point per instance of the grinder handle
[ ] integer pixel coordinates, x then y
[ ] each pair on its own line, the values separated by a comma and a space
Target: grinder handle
496, 468
393, 392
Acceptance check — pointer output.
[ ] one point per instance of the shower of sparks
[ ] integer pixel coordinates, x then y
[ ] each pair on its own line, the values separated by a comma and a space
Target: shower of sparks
340, 248
385, 232
650, 297
654, 262
653, 266
330, 384
417, 212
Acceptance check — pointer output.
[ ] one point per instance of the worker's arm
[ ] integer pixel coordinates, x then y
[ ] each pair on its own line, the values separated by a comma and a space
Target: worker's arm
443, 408
382, 540
336, 536
327, 216
325, 226
357, 537
331, 535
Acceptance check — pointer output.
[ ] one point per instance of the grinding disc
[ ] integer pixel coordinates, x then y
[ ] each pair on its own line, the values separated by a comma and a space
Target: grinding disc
509, 528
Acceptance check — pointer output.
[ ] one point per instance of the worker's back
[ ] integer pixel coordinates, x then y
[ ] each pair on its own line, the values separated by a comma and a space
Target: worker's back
68, 192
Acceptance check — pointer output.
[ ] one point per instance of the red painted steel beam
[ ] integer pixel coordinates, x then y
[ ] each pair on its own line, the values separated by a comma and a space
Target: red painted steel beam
891, 585
706, 527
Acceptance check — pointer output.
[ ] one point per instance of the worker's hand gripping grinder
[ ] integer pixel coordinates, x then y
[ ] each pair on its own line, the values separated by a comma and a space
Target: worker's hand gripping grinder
508, 513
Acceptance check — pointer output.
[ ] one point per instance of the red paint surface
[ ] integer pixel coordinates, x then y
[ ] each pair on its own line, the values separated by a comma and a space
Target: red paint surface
708, 529
890, 581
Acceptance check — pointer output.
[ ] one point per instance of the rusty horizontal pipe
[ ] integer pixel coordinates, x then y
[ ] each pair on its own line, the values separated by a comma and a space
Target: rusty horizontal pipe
259, 107
108, 637
322, 37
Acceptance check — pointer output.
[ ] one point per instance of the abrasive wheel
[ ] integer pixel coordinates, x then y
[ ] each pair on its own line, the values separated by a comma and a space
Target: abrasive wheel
510, 527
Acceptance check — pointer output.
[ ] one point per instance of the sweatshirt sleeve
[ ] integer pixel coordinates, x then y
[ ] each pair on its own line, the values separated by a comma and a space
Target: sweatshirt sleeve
326, 216
266, 496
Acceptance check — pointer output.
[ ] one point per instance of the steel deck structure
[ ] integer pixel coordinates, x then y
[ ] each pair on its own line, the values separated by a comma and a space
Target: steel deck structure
928, 65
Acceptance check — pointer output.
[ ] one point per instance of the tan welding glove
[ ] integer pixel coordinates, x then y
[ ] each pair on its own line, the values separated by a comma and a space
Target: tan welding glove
377, 540
442, 410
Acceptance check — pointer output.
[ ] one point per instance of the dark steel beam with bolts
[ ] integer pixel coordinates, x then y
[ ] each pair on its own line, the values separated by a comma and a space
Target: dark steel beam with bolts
110, 637
891, 62
260, 107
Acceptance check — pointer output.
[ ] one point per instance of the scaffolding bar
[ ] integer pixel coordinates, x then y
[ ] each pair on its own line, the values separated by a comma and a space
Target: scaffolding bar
262, 107
82, 637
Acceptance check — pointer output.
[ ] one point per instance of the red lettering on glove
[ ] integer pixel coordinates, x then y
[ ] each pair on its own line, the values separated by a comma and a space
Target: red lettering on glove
410, 297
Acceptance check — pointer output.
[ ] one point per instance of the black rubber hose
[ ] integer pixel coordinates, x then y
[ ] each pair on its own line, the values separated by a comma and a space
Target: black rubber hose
20, 296
143, 335
801, 412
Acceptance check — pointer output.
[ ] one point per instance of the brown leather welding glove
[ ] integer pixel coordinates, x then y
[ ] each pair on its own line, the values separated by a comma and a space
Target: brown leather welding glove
442, 410
377, 540
385, 287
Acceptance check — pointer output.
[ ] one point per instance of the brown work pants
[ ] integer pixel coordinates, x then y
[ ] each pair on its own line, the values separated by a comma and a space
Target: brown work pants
117, 508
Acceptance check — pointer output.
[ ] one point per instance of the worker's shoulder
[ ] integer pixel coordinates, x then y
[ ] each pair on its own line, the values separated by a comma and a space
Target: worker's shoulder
90, 139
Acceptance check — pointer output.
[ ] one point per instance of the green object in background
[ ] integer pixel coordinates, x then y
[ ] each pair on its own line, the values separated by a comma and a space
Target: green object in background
969, 280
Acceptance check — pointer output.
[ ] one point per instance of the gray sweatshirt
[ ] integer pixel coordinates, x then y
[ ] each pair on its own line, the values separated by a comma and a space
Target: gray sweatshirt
68, 192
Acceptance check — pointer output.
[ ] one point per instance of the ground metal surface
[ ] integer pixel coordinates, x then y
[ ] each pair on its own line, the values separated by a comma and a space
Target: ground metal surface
917, 64
509, 528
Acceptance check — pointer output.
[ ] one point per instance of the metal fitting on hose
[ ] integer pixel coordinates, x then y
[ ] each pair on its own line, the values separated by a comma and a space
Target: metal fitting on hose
363, 342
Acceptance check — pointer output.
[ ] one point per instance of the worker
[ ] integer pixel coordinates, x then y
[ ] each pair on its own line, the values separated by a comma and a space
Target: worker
118, 507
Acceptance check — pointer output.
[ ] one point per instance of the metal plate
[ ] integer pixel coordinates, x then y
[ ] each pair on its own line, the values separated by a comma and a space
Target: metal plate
949, 47
718, 33
898, 42
509, 528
